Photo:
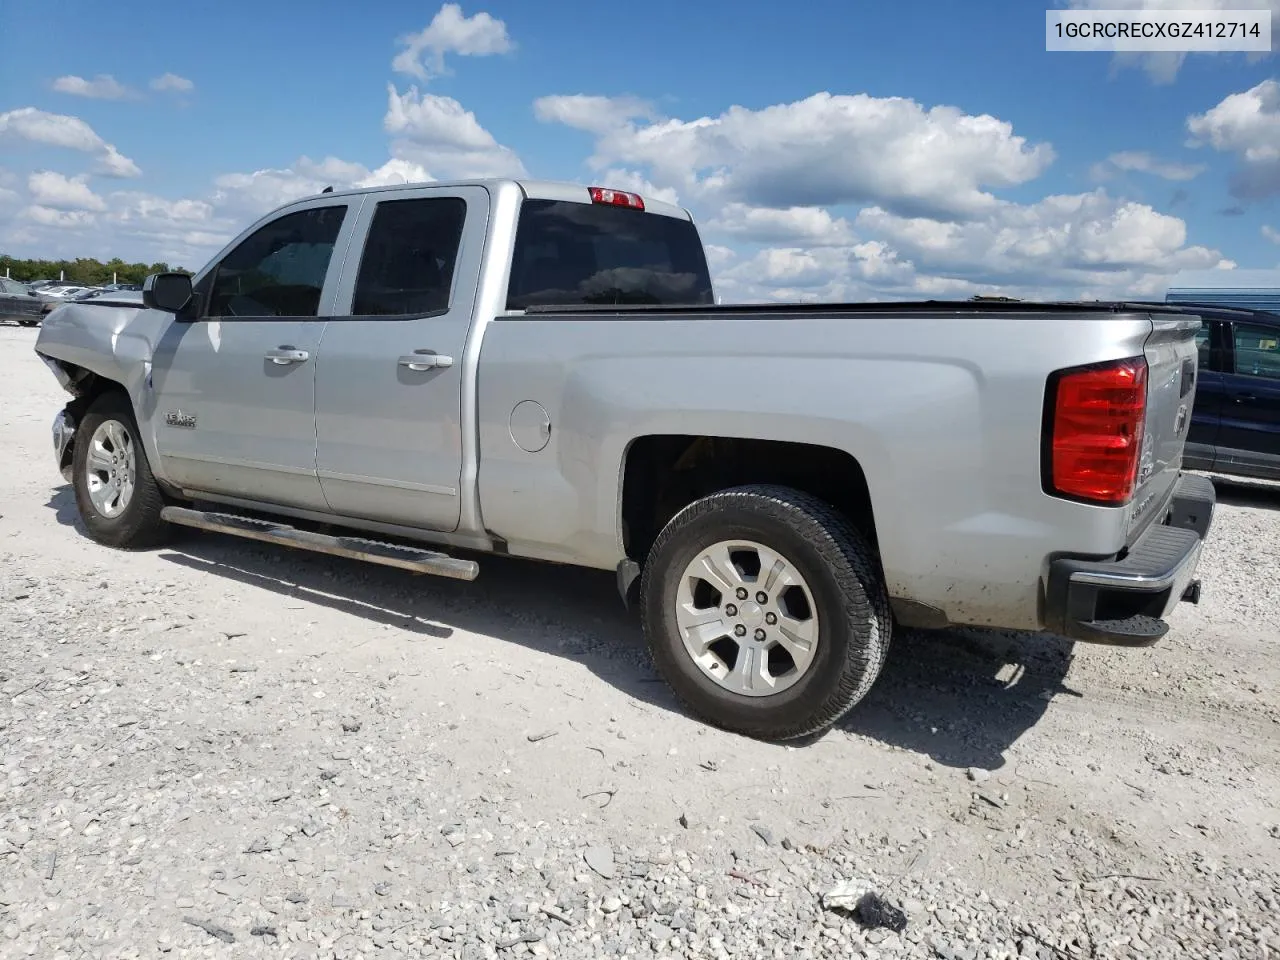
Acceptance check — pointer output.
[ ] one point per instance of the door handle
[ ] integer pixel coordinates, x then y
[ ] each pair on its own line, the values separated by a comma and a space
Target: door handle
1242, 397
425, 360
287, 355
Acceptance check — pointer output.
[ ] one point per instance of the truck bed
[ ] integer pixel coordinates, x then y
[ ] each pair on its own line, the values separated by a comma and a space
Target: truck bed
944, 420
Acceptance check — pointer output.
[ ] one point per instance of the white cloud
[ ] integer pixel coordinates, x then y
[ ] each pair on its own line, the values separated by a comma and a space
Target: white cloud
50, 189
1078, 246
112, 163
1137, 161
252, 194
1057, 236
395, 171
1271, 233
824, 150
718, 257
439, 134
248, 195
72, 133
58, 219
8, 182
450, 32
594, 114
102, 87
172, 83
1162, 67
1246, 124
807, 226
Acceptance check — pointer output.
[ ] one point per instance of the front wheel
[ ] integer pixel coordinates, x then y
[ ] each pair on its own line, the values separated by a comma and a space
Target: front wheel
118, 498
765, 611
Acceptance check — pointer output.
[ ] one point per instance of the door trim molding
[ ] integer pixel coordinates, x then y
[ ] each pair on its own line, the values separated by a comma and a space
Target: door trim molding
236, 462
382, 482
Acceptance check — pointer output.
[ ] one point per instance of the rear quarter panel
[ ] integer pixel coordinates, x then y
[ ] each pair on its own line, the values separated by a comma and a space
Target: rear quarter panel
943, 413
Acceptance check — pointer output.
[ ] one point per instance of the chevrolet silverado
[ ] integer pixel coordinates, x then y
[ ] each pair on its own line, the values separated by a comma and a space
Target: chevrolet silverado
542, 370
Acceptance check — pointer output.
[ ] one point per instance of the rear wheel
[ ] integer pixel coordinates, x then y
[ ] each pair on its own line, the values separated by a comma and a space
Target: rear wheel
28, 323
116, 494
765, 611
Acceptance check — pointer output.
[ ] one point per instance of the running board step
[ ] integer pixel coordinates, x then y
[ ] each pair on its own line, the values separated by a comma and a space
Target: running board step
372, 551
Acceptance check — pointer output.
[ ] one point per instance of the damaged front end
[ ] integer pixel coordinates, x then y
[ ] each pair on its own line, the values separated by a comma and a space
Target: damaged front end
64, 424
64, 432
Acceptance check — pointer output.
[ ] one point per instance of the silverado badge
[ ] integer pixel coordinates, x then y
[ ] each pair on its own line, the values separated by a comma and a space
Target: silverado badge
176, 418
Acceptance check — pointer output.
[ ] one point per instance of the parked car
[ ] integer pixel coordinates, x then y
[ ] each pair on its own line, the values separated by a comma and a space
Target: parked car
19, 304
1235, 425
61, 291
541, 370
1250, 289
115, 297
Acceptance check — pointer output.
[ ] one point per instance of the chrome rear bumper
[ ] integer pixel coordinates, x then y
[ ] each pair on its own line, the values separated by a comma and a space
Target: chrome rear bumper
1125, 602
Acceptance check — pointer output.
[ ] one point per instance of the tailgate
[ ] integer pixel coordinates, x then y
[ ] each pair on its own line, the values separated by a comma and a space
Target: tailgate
1171, 384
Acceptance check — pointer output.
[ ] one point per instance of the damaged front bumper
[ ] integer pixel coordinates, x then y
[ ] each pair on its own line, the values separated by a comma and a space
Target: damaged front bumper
64, 432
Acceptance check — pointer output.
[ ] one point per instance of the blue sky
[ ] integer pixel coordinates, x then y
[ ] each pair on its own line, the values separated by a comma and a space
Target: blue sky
846, 149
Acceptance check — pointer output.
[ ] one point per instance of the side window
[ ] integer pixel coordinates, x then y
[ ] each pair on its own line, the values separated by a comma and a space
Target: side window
1257, 351
409, 257
279, 270
1202, 344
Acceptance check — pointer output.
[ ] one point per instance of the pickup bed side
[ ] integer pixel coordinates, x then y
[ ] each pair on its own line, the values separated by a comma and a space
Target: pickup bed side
942, 416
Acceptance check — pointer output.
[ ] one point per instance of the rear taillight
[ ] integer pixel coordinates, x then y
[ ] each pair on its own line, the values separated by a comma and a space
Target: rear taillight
1093, 438
616, 198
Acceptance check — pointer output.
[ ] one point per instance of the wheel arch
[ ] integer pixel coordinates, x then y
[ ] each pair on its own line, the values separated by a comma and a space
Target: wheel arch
663, 473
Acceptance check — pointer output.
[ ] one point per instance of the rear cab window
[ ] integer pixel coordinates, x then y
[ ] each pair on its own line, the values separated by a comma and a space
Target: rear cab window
572, 254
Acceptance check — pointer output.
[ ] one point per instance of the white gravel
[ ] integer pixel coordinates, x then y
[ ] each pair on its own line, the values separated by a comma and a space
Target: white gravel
224, 749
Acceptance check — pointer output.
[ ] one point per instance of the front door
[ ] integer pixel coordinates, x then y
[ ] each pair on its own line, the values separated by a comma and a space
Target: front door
389, 379
234, 387
1250, 434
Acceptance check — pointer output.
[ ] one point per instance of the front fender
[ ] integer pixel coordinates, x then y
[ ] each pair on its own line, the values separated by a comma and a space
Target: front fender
83, 343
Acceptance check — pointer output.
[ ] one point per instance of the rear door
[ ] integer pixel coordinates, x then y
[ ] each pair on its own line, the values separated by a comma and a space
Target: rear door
389, 378
234, 387
1249, 438
1206, 414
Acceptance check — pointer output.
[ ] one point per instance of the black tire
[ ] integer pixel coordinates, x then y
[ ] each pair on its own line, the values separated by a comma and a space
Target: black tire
28, 323
138, 526
842, 574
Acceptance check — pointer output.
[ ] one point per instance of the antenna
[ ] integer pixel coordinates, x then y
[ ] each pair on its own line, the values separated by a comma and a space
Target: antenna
328, 189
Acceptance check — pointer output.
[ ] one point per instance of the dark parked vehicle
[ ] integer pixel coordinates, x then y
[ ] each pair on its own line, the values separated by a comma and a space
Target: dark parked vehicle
18, 303
1235, 423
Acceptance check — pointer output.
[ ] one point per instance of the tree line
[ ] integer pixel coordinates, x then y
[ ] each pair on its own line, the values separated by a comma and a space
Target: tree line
82, 270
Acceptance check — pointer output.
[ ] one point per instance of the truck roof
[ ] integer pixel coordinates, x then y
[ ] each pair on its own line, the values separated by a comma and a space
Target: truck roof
532, 189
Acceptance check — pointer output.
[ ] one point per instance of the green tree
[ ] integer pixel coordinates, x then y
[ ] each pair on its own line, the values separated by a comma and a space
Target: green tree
84, 270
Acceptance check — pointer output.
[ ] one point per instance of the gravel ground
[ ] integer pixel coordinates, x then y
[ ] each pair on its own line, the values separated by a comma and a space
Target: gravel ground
225, 749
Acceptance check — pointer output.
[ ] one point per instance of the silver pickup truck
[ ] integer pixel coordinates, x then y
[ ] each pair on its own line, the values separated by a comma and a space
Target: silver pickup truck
541, 370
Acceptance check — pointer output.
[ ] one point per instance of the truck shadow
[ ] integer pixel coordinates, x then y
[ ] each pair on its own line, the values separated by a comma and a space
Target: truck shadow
1247, 493
962, 697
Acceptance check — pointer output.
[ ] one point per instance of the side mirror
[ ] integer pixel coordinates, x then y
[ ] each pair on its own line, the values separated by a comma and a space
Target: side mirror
170, 292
